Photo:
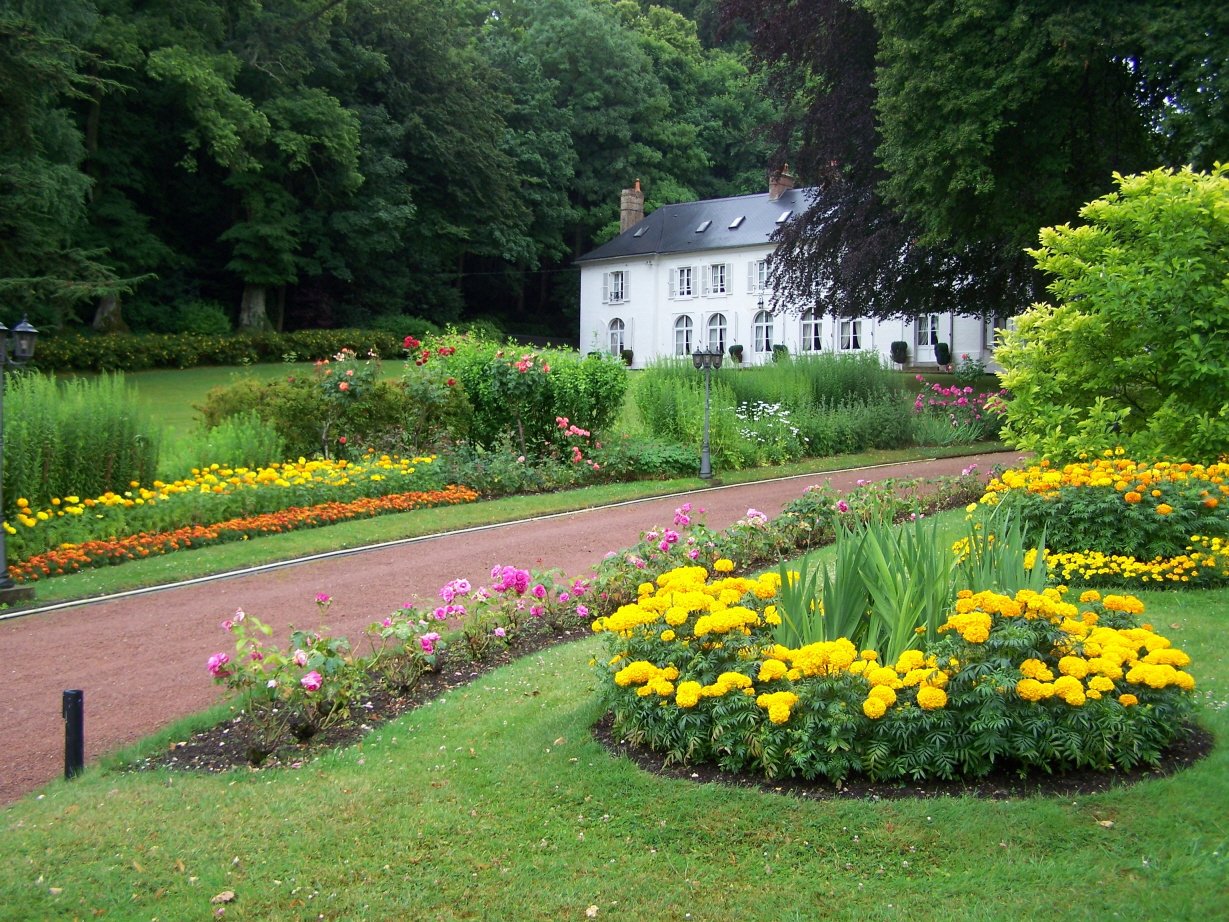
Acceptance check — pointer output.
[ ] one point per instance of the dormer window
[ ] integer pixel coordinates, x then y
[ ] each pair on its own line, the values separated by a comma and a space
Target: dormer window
704, 225
785, 216
737, 221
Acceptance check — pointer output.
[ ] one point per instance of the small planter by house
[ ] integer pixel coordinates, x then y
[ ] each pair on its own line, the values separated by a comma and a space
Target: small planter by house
736, 354
900, 352
943, 353
627, 355
780, 352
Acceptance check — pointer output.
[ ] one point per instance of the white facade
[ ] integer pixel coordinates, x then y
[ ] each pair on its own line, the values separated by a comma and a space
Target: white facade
701, 293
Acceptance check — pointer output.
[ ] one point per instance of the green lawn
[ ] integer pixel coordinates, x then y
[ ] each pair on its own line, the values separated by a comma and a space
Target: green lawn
495, 803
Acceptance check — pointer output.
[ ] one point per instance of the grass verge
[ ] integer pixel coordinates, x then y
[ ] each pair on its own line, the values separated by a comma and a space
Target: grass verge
494, 802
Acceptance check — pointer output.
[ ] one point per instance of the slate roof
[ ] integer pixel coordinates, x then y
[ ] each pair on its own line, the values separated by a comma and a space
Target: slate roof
675, 228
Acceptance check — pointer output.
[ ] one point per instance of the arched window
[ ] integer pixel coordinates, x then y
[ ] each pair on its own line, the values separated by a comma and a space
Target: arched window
683, 328
617, 331
716, 332
812, 331
761, 332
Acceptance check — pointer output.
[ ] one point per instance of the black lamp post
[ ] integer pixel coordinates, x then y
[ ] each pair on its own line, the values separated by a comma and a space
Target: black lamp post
706, 360
16, 348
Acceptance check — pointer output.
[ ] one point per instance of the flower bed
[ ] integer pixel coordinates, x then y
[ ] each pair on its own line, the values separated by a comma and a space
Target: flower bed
70, 558
214, 494
1115, 520
1035, 681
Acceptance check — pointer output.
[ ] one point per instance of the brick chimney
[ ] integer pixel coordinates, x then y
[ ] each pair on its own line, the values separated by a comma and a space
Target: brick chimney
631, 207
779, 182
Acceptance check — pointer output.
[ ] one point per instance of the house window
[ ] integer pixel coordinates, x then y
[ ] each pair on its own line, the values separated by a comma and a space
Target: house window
927, 329
614, 287
812, 332
681, 282
716, 332
761, 332
683, 329
718, 279
757, 276
618, 329
851, 334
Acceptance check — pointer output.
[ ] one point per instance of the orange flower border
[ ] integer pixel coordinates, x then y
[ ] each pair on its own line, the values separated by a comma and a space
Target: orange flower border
71, 558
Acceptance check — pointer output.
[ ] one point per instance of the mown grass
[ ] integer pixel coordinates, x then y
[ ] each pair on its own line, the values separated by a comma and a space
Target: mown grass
495, 803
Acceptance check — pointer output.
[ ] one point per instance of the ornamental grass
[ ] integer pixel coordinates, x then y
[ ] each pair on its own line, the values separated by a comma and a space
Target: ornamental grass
70, 558
1035, 682
1114, 520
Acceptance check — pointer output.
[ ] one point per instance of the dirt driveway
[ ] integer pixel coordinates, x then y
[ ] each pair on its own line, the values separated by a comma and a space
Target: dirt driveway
141, 660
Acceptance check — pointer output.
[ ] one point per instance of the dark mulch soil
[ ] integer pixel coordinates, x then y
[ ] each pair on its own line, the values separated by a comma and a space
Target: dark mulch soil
225, 746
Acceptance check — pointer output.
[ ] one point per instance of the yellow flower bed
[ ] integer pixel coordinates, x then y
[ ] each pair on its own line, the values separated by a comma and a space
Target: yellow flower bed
689, 645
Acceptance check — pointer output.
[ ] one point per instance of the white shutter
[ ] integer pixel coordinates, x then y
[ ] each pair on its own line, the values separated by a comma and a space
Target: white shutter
751, 277
605, 287
673, 280
706, 283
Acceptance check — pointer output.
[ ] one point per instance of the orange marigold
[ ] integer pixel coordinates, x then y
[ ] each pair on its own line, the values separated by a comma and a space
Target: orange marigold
1132, 497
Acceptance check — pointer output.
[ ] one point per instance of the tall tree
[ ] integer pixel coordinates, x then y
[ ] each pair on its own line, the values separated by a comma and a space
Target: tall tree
44, 269
944, 135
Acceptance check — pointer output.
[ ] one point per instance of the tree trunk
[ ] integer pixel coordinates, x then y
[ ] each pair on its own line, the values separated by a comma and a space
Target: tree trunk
108, 316
253, 316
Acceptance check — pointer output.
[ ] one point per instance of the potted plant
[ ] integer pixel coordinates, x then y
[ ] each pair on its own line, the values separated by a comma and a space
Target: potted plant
780, 352
626, 355
736, 354
900, 352
943, 353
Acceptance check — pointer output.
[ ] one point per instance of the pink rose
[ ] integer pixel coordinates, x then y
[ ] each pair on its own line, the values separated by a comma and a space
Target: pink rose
343, 386
312, 681
300, 658
217, 665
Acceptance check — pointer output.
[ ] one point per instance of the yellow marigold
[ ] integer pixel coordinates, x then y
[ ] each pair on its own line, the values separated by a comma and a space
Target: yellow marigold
1036, 669
1100, 683
884, 693
637, 673
1090, 595
1030, 690
1164, 509
930, 698
723, 565
687, 695
1127, 700
770, 670
1075, 666
1124, 603
778, 705
667, 636
1170, 656
874, 708
884, 675
909, 660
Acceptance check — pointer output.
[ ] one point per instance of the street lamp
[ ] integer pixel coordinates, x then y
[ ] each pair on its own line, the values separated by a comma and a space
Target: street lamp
706, 360
16, 348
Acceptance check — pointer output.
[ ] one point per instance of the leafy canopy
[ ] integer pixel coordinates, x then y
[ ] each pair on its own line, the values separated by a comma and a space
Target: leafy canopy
1136, 351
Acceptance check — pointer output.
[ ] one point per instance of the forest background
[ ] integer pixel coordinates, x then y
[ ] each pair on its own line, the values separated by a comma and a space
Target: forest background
201, 165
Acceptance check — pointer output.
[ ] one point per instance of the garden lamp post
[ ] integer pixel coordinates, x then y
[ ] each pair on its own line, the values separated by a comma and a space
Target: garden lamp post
16, 348
706, 360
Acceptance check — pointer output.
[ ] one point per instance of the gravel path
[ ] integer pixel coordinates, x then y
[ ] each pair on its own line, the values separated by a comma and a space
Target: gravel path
141, 660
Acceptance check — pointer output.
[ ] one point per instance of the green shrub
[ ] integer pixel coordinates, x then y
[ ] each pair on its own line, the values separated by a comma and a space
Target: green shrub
133, 352
241, 440
1136, 351
81, 437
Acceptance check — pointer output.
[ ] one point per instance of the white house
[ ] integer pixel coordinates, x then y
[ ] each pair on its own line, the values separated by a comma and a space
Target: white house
693, 275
